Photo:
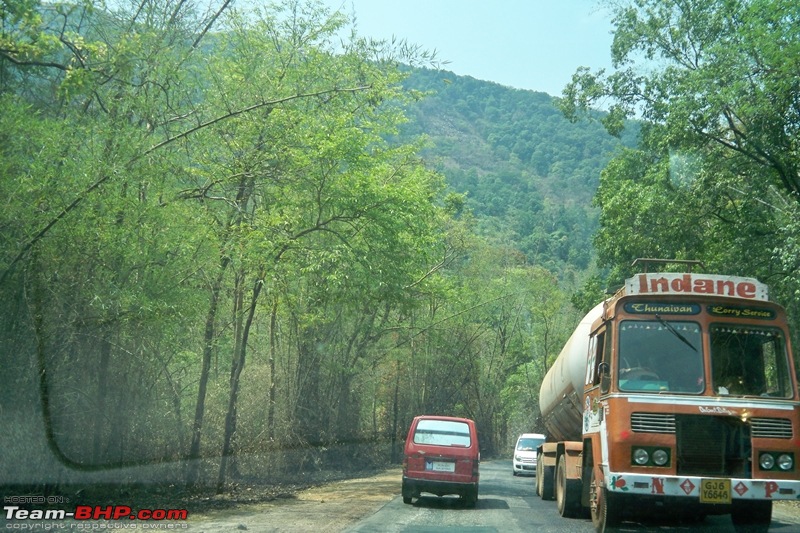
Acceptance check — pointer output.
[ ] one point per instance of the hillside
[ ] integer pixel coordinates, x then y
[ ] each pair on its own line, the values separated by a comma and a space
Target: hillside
529, 174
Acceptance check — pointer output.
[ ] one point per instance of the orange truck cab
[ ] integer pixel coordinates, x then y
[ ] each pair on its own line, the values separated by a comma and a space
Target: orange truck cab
442, 456
679, 395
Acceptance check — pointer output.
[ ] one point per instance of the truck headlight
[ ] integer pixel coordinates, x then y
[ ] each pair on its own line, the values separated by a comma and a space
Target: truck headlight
785, 461
650, 456
766, 461
660, 457
640, 456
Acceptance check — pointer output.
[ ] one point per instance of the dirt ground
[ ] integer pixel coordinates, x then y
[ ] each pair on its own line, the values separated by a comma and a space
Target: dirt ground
325, 509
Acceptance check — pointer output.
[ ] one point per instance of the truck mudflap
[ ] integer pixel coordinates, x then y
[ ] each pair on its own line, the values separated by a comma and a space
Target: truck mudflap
712, 490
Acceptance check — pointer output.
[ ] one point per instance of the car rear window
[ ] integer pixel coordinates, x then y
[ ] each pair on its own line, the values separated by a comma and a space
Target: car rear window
442, 433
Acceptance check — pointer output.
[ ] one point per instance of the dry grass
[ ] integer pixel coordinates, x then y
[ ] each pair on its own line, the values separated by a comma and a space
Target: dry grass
382, 487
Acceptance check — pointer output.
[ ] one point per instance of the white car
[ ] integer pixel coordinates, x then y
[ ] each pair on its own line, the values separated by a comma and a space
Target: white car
524, 460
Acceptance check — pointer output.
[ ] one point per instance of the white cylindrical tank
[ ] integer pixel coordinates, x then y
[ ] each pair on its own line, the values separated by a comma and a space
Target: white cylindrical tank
561, 394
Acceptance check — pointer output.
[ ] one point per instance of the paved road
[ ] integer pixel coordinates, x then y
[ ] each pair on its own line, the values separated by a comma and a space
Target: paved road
373, 504
508, 504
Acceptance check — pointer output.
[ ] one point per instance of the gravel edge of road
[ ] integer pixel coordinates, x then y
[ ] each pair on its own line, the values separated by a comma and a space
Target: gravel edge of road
327, 508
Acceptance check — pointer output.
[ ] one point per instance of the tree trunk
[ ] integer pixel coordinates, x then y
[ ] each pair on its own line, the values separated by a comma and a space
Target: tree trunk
236, 372
273, 338
101, 400
208, 349
395, 413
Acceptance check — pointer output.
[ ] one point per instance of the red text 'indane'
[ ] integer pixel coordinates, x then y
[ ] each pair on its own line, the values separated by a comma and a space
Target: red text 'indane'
703, 284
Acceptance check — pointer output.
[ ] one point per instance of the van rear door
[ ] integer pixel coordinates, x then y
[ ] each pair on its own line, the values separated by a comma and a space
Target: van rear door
443, 449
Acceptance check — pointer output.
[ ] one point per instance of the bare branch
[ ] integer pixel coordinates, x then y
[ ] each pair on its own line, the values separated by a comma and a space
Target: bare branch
210, 23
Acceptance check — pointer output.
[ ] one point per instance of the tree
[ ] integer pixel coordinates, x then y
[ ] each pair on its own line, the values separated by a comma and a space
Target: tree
156, 194
714, 82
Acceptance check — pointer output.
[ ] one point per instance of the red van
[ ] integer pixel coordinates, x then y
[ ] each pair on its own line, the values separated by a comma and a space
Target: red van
441, 457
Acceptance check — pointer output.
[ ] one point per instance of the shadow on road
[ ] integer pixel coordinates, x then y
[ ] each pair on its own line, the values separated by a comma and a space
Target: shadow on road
491, 503
454, 502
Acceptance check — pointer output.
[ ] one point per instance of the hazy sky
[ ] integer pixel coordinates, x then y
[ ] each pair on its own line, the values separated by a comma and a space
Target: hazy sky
527, 44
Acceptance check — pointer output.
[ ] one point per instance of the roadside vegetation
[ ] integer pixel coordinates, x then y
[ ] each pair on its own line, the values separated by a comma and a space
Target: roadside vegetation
246, 245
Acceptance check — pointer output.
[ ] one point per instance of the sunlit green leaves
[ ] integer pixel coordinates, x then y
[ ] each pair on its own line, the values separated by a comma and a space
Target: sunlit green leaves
717, 162
183, 187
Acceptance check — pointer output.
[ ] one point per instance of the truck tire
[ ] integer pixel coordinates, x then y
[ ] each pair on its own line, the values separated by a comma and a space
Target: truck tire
538, 481
751, 515
568, 491
605, 508
544, 482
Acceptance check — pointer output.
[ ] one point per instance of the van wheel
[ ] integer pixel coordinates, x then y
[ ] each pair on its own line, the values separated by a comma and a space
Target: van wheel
470, 498
406, 493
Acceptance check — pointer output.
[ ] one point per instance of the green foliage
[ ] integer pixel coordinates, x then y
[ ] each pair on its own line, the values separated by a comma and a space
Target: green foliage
224, 235
149, 186
590, 294
528, 174
716, 173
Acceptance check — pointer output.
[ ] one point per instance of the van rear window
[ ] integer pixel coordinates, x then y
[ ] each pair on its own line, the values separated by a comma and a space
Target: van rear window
442, 433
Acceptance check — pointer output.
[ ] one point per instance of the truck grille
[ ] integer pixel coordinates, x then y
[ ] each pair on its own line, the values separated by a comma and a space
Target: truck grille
712, 446
771, 428
766, 428
653, 422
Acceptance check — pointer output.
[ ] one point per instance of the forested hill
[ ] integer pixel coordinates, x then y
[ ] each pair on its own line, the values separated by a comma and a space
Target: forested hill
529, 173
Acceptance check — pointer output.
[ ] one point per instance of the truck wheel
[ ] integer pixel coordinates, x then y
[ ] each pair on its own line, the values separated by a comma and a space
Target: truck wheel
568, 491
751, 515
606, 510
538, 480
544, 480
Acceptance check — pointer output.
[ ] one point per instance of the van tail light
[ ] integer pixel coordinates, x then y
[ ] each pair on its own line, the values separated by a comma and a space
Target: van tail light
475, 467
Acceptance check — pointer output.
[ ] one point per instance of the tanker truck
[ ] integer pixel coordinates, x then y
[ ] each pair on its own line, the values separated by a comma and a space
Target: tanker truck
676, 395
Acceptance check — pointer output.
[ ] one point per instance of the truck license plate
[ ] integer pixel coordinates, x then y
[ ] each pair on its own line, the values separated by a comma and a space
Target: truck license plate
441, 466
715, 491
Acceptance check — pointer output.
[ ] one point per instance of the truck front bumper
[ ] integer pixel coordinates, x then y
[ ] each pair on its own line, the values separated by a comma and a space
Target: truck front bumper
689, 486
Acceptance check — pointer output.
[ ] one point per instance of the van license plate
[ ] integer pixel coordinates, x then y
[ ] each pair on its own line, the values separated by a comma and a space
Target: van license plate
715, 491
440, 466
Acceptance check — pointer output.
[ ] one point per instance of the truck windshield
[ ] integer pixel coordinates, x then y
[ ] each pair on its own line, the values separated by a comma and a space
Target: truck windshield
749, 360
660, 355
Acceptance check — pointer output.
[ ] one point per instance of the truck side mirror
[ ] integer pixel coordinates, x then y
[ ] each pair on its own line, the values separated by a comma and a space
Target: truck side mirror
605, 377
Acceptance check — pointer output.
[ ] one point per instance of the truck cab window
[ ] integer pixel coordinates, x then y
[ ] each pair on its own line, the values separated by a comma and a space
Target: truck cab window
659, 355
599, 345
748, 360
